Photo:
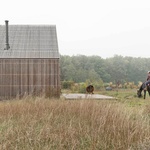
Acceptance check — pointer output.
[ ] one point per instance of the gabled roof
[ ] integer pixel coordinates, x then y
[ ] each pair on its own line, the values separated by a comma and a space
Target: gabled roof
29, 41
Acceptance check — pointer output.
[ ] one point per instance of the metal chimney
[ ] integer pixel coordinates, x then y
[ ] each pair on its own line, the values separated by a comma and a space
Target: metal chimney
7, 36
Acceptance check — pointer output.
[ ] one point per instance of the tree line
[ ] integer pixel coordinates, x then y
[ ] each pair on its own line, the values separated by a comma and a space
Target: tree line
117, 69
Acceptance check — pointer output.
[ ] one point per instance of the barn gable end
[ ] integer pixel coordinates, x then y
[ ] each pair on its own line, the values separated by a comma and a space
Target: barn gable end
31, 64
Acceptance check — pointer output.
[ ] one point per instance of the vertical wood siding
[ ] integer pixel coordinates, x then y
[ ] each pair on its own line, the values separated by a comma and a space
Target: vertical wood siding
29, 76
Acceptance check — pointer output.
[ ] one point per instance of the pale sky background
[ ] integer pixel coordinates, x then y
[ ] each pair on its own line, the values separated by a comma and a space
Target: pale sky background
88, 27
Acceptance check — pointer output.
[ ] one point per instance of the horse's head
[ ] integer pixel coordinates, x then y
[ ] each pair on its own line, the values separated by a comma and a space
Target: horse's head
139, 93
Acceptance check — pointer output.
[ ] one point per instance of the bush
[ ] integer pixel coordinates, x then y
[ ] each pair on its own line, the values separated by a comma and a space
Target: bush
67, 84
82, 88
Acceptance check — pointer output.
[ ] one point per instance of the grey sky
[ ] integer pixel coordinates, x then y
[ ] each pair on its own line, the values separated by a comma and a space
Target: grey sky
88, 27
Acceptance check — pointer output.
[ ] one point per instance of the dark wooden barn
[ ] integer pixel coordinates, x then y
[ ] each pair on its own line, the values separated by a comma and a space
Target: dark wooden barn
29, 60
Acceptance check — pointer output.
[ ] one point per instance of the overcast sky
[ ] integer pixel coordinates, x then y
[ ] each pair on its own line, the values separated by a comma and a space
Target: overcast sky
89, 27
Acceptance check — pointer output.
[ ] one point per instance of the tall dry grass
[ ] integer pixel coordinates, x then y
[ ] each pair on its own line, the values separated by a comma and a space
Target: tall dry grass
43, 124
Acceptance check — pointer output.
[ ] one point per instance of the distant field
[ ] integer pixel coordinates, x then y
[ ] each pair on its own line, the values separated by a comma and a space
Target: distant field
49, 124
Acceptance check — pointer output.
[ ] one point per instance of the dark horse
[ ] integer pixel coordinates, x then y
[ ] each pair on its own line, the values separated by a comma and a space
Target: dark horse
139, 91
90, 89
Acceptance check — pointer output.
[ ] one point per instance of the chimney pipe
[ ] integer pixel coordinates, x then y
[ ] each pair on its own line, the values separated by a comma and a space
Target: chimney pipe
7, 37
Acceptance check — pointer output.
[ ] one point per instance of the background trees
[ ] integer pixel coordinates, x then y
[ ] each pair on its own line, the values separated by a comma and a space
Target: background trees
117, 69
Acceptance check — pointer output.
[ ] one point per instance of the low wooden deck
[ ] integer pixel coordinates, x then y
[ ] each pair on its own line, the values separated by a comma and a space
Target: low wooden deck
86, 96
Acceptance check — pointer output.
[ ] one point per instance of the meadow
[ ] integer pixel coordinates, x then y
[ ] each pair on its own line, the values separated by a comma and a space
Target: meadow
38, 123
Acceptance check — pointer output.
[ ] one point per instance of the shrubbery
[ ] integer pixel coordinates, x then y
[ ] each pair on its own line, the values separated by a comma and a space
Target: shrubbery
98, 85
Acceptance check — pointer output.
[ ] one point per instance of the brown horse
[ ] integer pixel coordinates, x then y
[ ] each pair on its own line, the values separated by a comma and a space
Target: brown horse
142, 88
90, 89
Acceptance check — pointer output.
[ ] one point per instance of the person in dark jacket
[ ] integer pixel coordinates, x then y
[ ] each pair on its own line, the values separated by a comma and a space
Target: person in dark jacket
147, 80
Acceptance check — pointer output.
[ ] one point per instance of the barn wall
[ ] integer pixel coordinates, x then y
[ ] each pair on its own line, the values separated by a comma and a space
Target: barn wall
30, 76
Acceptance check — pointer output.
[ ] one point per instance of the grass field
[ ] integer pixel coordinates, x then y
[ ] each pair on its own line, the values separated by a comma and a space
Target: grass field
58, 124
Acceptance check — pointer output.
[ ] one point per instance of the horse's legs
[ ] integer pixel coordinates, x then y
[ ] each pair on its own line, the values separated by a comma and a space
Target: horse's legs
144, 94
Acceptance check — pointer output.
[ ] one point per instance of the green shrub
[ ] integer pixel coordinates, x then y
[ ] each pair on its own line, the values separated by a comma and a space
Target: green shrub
67, 84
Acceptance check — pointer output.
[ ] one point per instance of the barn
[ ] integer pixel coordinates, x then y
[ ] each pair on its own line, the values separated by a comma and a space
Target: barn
29, 61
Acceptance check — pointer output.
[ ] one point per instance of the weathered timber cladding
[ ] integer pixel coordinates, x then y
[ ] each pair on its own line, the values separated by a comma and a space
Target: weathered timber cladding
29, 76
31, 64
